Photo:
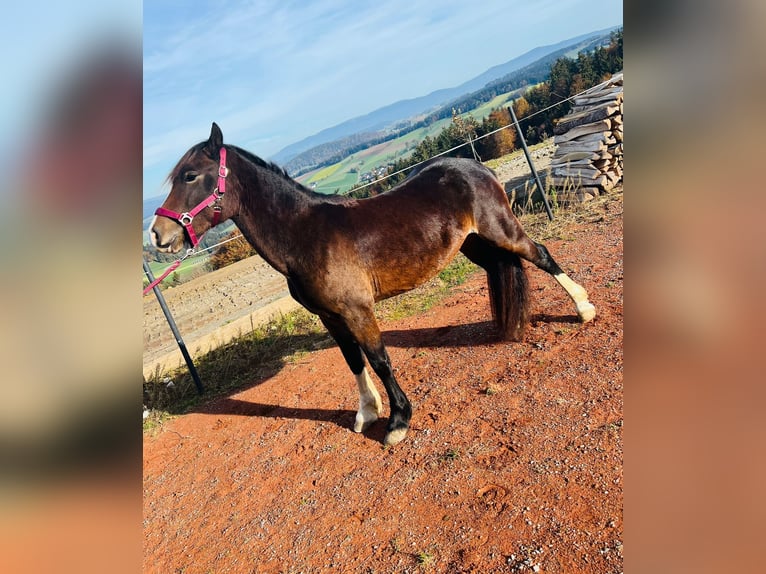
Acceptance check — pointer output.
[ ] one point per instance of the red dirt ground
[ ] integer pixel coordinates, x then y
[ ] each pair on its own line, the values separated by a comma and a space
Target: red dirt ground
513, 462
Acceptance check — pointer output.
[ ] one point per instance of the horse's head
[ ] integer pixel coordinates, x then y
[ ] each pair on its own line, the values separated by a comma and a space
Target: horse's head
197, 199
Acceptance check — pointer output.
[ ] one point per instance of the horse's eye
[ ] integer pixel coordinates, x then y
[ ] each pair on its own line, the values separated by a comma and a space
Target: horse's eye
190, 176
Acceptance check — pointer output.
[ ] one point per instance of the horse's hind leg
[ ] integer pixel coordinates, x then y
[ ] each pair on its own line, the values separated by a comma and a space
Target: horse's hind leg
503, 230
370, 405
538, 254
497, 225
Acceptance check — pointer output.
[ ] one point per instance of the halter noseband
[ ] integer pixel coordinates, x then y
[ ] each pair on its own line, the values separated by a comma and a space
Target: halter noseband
214, 199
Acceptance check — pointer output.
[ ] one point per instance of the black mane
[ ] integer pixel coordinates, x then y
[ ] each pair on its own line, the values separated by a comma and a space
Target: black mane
280, 171
271, 166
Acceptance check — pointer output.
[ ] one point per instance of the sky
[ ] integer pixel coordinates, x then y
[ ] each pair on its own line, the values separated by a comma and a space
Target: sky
272, 72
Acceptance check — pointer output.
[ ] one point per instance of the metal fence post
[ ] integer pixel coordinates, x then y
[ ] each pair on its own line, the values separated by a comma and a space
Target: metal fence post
174, 328
531, 165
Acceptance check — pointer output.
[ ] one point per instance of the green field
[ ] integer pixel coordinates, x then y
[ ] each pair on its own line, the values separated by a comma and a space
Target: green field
339, 178
342, 176
187, 267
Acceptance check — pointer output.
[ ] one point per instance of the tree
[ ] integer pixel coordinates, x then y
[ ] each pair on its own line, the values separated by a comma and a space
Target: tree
232, 251
521, 107
462, 130
501, 142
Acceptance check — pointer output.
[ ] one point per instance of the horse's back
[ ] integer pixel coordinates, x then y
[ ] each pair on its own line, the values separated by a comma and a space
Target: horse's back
455, 167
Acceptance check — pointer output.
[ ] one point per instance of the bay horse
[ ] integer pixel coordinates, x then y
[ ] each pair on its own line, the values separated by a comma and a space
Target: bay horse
341, 255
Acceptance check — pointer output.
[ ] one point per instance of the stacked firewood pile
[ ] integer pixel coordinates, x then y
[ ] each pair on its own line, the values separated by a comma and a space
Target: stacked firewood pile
588, 157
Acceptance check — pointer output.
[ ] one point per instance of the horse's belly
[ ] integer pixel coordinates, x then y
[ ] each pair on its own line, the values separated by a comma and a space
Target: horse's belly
406, 275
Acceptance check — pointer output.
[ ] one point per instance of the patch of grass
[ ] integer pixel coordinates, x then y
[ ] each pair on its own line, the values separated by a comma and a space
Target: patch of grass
410, 304
247, 359
451, 455
324, 173
396, 544
458, 271
537, 225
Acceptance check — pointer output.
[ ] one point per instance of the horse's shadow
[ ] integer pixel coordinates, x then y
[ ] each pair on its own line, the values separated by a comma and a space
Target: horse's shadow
343, 418
462, 335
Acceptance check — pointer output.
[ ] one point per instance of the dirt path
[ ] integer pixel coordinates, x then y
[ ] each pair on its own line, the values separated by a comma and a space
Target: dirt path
513, 462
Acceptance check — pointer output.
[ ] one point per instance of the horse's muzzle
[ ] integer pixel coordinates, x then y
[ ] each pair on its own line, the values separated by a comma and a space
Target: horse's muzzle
167, 236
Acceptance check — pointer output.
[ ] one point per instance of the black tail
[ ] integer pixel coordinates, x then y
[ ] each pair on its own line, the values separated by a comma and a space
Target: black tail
507, 284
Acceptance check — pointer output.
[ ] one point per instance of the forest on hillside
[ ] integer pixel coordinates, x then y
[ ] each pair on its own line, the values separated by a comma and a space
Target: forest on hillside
537, 110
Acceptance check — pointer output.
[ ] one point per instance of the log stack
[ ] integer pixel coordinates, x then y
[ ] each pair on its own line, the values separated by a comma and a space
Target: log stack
588, 157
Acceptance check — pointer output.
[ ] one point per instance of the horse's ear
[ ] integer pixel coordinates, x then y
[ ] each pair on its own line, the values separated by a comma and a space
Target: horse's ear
215, 141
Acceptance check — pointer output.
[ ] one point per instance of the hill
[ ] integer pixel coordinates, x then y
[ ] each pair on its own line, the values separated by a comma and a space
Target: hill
387, 117
150, 205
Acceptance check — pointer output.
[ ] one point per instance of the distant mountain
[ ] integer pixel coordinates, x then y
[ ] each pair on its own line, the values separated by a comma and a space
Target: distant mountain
386, 116
150, 205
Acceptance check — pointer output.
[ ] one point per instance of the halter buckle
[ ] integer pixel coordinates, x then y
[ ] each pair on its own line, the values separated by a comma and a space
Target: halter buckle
223, 171
185, 218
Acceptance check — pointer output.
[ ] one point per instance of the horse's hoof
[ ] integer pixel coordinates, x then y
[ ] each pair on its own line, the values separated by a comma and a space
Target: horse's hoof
586, 311
364, 420
395, 437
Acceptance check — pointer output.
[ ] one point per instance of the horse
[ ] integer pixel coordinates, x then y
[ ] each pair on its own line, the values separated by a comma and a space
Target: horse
341, 255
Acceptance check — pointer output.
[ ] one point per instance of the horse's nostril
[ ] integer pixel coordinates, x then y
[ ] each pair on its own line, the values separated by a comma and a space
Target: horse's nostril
155, 237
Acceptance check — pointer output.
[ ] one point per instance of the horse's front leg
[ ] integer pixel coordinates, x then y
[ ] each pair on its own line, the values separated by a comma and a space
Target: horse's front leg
370, 404
401, 409
364, 328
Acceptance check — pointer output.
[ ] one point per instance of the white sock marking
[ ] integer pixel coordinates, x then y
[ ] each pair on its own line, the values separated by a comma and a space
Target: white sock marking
370, 405
585, 309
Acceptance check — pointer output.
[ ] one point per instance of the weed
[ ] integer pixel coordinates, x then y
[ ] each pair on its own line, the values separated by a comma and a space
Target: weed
425, 558
451, 455
553, 199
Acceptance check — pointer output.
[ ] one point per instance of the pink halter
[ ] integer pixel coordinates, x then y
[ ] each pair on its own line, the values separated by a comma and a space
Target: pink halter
187, 217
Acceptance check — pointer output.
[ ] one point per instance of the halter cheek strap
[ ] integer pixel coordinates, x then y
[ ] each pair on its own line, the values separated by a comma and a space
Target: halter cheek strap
214, 199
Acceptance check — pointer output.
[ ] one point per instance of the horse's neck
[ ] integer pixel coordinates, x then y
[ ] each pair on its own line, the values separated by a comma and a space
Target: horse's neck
271, 210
